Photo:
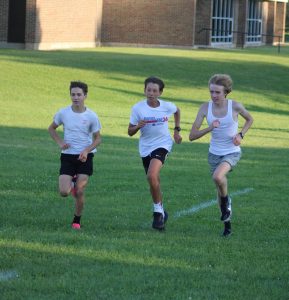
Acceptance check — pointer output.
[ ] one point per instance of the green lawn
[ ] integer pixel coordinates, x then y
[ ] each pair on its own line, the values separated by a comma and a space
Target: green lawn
117, 255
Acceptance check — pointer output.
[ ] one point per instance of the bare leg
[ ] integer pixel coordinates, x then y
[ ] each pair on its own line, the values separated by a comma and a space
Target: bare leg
220, 179
81, 183
153, 177
221, 183
65, 189
65, 185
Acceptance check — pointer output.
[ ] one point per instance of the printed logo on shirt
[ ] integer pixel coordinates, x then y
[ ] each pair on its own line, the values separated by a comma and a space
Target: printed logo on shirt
156, 120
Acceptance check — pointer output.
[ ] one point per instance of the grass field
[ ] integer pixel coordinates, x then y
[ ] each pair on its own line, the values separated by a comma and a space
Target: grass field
117, 255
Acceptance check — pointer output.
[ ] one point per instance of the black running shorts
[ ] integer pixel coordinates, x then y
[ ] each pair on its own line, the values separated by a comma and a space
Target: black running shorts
71, 165
159, 153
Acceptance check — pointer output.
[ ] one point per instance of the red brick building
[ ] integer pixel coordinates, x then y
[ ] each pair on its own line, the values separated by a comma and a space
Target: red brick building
53, 24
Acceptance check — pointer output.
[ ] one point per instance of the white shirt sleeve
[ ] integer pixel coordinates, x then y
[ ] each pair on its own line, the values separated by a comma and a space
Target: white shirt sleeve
134, 117
95, 126
57, 118
171, 107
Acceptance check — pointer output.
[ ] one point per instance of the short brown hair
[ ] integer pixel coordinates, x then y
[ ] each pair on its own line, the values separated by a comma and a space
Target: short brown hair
155, 80
223, 80
79, 84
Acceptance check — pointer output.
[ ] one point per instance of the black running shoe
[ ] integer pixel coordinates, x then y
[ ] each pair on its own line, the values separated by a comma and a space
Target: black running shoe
166, 217
159, 220
226, 210
227, 229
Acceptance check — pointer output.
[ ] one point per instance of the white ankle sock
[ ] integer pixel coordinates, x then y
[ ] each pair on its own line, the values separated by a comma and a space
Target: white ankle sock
159, 208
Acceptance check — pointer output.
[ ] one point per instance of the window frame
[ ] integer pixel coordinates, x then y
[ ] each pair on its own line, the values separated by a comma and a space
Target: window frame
222, 22
254, 22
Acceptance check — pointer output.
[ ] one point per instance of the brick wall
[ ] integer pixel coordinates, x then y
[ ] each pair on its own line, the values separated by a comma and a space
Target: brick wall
154, 22
270, 21
61, 24
85, 23
4, 6
280, 21
203, 19
241, 23
275, 22
30, 21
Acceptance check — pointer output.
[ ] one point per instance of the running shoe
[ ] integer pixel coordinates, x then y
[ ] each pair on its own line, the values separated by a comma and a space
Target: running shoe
159, 220
227, 229
226, 210
75, 226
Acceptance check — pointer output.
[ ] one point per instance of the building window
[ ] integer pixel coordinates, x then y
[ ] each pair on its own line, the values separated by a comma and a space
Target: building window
254, 22
222, 21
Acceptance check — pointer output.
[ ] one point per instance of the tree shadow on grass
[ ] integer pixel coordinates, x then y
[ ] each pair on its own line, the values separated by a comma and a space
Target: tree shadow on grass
250, 107
194, 72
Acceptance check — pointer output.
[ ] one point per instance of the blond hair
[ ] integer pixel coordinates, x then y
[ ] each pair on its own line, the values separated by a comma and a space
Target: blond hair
223, 80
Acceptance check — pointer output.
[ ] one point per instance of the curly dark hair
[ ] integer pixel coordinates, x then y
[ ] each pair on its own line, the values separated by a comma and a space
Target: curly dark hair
79, 84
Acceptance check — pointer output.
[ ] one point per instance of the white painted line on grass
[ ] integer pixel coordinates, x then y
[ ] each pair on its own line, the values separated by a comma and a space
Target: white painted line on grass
8, 275
14, 145
206, 204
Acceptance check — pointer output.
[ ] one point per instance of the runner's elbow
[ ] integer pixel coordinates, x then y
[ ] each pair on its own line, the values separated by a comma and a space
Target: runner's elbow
192, 137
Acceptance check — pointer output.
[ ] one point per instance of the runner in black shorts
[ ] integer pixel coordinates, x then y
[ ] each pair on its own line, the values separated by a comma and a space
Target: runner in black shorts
81, 137
150, 116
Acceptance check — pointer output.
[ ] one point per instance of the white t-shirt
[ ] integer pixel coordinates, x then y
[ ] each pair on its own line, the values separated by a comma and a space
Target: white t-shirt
155, 134
78, 128
222, 136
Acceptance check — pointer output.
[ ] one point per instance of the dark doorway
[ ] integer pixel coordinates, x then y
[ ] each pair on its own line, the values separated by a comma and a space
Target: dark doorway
16, 21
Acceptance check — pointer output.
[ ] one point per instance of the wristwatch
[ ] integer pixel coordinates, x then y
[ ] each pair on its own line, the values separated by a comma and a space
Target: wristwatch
241, 134
177, 128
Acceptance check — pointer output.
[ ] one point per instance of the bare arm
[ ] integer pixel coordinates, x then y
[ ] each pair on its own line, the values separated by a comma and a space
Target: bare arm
52, 131
240, 109
177, 117
133, 129
96, 140
196, 133
247, 116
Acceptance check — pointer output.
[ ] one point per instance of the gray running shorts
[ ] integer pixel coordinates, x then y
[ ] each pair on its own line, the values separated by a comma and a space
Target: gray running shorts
215, 160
